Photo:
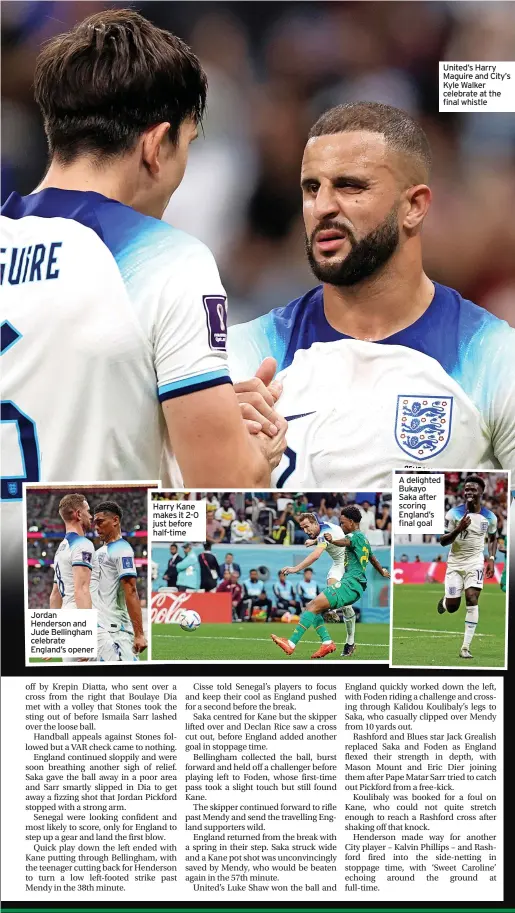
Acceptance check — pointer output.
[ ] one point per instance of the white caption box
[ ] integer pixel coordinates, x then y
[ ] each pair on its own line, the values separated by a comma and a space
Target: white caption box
476, 86
62, 633
178, 521
418, 502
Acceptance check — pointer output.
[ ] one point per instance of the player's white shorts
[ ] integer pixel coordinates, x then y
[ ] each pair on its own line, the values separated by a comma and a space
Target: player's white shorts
459, 579
336, 571
115, 646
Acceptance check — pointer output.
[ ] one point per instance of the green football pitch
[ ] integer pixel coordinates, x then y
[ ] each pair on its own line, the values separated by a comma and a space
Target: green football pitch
252, 642
422, 637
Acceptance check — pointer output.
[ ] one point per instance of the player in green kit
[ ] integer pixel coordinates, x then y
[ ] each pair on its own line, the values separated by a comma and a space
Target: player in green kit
342, 594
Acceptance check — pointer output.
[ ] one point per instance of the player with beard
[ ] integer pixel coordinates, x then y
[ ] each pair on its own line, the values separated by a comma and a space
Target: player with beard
466, 527
76, 569
381, 367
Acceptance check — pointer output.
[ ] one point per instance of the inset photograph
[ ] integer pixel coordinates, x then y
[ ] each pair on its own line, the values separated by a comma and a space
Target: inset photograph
87, 549
450, 588
280, 576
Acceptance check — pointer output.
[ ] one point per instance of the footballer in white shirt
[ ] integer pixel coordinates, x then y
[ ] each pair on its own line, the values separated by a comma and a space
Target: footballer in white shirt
381, 368
316, 528
467, 526
109, 315
76, 569
121, 637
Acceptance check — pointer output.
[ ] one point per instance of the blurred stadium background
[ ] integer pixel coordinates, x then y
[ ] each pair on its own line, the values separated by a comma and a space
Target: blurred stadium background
261, 532
45, 531
272, 68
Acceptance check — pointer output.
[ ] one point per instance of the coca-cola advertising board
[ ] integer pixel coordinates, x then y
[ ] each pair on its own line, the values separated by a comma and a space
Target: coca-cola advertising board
166, 608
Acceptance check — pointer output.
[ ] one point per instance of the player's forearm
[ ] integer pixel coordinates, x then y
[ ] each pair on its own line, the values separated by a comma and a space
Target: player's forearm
306, 562
134, 610
375, 564
341, 543
56, 600
82, 597
492, 548
448, 538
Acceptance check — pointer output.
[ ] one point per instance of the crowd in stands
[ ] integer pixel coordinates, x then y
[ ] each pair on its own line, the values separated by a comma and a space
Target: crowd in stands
273, 517
43, 515
41, 581
45, 530
495, 498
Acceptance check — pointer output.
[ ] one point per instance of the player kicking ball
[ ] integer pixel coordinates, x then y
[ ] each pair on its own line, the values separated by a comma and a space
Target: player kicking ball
467, 526
340, 594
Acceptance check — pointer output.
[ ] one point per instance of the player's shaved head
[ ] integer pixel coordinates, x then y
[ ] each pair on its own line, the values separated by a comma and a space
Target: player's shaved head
402, 134
69, 505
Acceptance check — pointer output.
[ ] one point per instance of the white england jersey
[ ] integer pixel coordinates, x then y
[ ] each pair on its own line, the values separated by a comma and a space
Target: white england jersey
116, 561
106, 313
335, 552
440, 393
75, 551
469, 548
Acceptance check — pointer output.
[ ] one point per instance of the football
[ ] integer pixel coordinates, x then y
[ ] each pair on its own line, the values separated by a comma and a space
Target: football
189, 620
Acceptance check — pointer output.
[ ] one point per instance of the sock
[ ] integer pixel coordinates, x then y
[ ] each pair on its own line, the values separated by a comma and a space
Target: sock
471, 620
350, 623
305, 621
444, 603
321, 630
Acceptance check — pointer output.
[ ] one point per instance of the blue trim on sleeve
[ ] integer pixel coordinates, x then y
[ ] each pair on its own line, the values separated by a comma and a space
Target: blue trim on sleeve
82, 564
128, 574
193, 384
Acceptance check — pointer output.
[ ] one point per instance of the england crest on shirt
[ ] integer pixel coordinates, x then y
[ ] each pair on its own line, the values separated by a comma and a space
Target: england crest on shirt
423, 425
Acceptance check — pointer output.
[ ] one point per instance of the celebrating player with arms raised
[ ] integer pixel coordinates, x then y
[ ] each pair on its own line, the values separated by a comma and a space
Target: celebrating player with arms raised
340, 594
467, 526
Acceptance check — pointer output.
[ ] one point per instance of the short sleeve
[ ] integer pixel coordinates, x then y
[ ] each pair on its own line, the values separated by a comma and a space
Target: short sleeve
321, 541
492, 524
82, 553
450, 521
122, 555
190, 327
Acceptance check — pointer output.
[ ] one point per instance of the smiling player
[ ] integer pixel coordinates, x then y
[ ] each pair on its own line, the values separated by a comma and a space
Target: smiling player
467, 526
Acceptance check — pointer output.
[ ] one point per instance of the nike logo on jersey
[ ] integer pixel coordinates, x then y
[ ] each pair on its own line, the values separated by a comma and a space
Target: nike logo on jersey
291, 418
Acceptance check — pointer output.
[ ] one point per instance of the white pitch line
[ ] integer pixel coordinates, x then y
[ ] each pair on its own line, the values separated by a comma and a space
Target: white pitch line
260, 639
436, 631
